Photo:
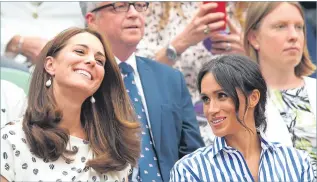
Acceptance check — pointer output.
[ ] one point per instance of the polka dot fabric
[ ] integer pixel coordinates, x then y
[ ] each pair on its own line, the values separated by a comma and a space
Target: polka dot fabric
148, 168
19, 164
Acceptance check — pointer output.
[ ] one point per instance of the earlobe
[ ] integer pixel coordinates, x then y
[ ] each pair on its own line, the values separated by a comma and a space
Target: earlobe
254, 98
49, 65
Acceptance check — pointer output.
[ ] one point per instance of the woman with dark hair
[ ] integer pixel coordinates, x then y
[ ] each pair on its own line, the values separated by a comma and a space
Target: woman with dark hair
184, 35
79, 124
234, 95
275, 36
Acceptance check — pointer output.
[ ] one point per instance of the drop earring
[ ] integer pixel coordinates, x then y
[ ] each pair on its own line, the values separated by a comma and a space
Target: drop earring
48, 83
92, 99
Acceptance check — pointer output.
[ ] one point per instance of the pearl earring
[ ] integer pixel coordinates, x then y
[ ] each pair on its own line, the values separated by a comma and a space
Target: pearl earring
48, 83
92, 99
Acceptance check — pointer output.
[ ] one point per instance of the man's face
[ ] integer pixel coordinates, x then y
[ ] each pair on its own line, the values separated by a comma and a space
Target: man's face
121, 28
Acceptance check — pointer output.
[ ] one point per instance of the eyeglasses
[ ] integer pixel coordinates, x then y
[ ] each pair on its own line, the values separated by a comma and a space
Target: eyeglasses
125, 6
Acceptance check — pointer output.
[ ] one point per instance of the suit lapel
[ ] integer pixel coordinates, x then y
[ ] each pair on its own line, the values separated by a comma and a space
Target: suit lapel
152, 97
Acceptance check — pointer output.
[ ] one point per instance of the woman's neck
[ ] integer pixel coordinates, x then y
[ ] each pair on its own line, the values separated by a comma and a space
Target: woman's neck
246, 142
280, 79
71, 111
71, 121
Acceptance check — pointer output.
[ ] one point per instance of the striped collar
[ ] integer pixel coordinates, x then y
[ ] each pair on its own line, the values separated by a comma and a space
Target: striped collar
220, 144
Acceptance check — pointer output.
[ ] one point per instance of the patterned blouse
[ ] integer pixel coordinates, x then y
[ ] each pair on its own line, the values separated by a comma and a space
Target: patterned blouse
294, 107
18, 163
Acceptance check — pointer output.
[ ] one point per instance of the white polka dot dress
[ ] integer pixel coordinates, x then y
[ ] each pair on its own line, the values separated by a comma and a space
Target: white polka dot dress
19, 164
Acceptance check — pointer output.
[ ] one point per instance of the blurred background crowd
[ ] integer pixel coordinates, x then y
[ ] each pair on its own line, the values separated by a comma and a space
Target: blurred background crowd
26, 27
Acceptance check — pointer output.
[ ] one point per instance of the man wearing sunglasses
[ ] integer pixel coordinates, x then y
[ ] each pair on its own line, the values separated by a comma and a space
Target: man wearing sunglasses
169, 126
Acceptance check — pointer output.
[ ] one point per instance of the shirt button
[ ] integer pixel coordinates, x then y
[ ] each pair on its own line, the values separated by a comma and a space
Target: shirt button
35, 15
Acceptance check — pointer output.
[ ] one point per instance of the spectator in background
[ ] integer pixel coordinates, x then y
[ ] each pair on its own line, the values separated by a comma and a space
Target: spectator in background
275, 36
159, 93
27, 26
6, 62
180, 26
78, 125
13, 102
234, 95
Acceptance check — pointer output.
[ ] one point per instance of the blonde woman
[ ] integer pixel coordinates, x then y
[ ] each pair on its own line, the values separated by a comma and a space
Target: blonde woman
275, 37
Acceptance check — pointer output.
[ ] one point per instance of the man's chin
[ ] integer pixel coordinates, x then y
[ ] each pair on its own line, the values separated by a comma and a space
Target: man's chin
132, 41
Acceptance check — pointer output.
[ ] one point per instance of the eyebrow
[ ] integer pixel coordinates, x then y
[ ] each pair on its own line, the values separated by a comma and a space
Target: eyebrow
287, 21
216, 91
84, 45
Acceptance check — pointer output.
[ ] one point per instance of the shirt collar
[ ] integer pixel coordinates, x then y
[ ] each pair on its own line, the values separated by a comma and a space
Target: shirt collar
220, 144
265, 144
130, 61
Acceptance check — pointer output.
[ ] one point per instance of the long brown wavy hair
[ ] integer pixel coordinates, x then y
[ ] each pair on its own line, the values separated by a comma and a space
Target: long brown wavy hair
110, 123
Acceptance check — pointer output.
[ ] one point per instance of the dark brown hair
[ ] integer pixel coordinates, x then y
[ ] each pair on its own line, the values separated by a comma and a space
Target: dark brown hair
238, 72
110, 123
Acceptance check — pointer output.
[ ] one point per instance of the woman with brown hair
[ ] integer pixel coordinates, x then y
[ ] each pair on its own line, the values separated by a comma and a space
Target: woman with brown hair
234, 94
275, 36
79, 124
181, 26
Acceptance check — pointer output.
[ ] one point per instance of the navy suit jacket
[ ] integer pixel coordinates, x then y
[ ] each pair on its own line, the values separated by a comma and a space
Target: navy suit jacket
174, 126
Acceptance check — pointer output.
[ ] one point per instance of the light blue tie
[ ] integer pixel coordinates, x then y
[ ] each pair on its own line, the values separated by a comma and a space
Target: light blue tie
148, 164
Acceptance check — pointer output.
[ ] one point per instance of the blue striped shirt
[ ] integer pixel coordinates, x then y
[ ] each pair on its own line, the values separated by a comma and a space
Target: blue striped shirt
221, 162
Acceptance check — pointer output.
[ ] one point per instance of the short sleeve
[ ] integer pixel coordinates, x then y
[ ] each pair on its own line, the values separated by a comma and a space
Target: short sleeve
7, 153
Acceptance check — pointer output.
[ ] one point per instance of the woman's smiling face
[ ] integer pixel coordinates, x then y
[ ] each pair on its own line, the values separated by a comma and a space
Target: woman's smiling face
219, 108
80, 64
